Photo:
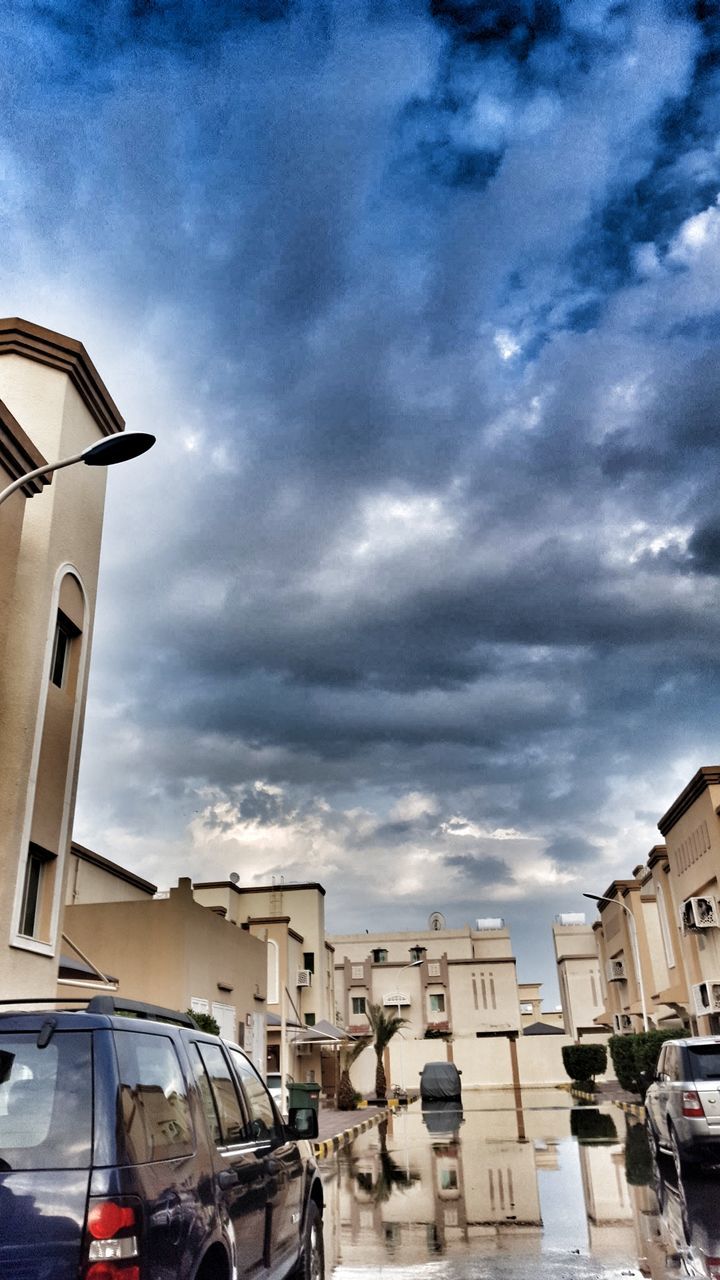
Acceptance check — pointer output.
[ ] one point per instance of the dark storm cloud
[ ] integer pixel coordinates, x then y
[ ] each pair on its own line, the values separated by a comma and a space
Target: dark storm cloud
422, 300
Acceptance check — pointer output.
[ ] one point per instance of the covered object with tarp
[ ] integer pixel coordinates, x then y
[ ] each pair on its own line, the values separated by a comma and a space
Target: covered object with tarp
440, 1080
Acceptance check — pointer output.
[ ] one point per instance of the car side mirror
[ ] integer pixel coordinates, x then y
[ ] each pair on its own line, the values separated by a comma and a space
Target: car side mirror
303, 1123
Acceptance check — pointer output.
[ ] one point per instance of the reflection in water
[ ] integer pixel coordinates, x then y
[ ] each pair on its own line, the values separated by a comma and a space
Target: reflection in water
564, 1192
687, 1236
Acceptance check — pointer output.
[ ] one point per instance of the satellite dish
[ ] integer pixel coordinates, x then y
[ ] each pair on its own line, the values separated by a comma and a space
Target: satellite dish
234, 877
436, 921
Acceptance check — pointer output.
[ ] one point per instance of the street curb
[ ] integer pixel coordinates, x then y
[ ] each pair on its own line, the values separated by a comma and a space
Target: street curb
631, 1108
329, 1146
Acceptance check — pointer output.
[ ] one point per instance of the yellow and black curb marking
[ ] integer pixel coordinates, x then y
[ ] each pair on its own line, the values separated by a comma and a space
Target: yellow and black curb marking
631, 1108
331, 1145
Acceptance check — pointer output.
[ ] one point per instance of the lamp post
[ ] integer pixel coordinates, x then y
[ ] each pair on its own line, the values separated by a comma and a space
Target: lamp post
599, 897
116, 448
413, 965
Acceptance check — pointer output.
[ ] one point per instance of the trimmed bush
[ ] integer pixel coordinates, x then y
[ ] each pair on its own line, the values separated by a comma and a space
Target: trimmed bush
587, 1124
635, 1057
205, 1022
584, 1061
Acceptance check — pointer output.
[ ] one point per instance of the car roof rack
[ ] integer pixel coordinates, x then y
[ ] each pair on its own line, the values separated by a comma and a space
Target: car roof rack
139, 1009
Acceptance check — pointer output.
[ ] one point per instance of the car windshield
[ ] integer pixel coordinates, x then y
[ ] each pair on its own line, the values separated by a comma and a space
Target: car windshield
45, 1101
705, 1061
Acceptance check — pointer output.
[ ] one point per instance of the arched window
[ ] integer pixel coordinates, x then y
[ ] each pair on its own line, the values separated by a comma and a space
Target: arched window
273, 972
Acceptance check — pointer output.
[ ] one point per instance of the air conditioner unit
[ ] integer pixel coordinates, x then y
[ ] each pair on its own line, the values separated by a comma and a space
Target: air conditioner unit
304, 977
699, 913
622, 1022
706, 996
616, 970
303, 1050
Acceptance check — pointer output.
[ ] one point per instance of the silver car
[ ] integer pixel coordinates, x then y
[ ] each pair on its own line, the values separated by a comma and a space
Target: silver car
683, 1102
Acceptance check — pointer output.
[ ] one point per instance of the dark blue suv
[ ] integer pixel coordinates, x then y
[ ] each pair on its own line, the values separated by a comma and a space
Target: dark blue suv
141, 1148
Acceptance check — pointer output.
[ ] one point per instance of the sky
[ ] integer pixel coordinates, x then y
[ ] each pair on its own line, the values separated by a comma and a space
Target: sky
417, 594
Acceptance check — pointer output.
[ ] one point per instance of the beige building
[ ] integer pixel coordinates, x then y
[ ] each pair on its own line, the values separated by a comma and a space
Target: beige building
631, 943
290, 920
452, 982
578, 970
169, 950
533, 1017
54, 404
691, 828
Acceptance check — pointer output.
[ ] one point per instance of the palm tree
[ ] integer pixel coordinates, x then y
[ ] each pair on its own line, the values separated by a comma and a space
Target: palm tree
345, 1091
383, 1026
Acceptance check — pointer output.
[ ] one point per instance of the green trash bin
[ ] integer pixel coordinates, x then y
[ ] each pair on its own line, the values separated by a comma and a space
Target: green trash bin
303, 1095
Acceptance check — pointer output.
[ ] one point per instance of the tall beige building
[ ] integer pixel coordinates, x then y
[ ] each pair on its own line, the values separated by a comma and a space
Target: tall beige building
578, 967
54, 404
691, 828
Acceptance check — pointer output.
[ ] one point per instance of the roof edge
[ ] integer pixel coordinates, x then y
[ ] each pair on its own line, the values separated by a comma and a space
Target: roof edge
706, 777
23, 338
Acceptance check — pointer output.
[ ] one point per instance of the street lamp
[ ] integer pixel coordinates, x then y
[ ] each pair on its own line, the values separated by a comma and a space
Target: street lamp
413, 965
116, 448
636, 949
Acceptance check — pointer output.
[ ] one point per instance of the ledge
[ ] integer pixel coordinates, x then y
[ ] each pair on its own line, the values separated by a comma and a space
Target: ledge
20, 337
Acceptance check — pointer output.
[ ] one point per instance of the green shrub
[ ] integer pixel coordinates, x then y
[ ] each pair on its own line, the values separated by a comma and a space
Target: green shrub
587, 1124
205, 1022
584, 1061
635, 1057
638, 1160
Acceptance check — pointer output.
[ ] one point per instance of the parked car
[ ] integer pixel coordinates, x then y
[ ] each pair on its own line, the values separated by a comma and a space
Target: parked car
141, 1148
272, 1079
682, 1105
440, 1080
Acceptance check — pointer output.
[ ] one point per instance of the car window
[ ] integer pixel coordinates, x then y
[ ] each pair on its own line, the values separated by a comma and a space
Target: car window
264, 1119
661, 1068
153, 1098
213, 1066
45, 1101
705, 1061
670, 1068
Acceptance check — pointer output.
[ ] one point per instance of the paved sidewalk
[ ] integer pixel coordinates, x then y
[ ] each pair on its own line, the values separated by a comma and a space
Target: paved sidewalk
338, 1128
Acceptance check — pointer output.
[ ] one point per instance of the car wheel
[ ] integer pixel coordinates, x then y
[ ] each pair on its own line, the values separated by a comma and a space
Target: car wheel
683, 1166
311, 1265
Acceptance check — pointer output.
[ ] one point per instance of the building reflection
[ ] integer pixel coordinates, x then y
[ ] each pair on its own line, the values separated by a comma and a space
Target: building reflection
448, 1182
416, 1188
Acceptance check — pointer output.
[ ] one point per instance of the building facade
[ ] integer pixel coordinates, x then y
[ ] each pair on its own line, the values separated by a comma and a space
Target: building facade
445, 982
578, 970
54, 404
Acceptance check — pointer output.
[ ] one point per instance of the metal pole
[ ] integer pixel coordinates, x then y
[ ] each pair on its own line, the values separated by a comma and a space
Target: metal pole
283, 1052
39, 471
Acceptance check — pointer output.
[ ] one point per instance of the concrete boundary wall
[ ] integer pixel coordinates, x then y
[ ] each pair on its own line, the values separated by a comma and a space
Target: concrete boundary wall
485, 1063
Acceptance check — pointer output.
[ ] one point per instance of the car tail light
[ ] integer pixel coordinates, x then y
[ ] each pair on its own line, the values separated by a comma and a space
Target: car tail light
713, 1268
112, 1241
691, 1105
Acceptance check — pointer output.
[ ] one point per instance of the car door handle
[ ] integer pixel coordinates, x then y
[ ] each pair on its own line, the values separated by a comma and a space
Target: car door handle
226, 1179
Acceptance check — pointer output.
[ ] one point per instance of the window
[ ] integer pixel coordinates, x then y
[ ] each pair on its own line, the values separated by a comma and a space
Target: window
226, 1121
65, 632
309, 960
526, 1006
37, 861
263, 1119
153, 1098
448, 1179
45, 1101
380, 955
437, 1003
417, 953
358, 1004
273, 972
309, 1019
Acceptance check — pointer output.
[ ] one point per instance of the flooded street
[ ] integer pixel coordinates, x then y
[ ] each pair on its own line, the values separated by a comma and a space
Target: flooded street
553, 1189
